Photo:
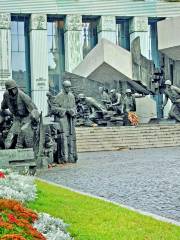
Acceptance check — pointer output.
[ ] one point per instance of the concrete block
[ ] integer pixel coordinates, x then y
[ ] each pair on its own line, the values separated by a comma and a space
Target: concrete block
146, 109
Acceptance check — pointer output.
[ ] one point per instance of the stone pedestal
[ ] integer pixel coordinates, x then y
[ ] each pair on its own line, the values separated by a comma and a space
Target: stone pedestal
5, 51
107, 28
146, 109
73, 42
139, 28
39, 61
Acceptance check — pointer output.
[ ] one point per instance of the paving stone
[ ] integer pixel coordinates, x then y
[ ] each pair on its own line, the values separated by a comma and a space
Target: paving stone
146, 179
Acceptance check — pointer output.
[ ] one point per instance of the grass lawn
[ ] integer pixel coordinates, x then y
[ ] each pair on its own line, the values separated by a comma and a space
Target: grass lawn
93, 219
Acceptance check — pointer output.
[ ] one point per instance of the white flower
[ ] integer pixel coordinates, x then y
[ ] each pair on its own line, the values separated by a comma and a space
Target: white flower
18, 187
52, 228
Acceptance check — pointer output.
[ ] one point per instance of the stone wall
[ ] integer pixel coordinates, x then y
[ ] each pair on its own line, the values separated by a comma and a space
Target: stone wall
84, 85
142, 67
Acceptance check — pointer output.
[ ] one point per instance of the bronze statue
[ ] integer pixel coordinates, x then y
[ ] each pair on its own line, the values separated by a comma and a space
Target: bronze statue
116, 102
173, 93
64, 110
29, 134
50, 102
104, 96
20, 105
6, 120
129, 105
90, 109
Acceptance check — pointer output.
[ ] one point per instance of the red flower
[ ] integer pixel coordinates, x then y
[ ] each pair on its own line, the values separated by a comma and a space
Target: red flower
2, 175
12, 218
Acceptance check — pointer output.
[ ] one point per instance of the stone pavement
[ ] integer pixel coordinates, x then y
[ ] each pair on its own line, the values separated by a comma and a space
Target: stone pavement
146, 179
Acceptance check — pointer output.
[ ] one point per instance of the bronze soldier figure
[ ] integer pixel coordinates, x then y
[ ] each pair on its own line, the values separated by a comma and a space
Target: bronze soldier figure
104, 97
64, 110
129, 105
173, 93
91, 109
116, 102
20, 105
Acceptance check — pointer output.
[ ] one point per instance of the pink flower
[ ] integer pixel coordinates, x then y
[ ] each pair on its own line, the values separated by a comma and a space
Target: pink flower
2, 175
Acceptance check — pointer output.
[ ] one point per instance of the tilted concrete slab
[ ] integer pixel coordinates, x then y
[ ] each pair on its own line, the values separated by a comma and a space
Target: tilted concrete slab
169, 37
108, 60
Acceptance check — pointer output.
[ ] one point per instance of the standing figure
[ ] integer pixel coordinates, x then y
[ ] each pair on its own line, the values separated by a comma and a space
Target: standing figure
64, 110
173, 93
116, 102
129, 103
129, 106
20, 105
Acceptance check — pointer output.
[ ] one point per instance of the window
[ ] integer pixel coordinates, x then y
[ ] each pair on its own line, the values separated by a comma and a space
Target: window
56, 53
20, 52
89, 35
122, 33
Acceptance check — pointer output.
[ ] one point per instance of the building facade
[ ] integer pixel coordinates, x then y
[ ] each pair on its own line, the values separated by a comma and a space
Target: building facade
41, 39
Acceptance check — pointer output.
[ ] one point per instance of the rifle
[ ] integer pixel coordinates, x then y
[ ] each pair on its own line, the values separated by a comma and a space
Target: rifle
40, 153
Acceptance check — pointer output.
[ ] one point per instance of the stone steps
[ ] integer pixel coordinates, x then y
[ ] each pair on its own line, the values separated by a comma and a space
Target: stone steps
121, 135
118, 138
85, 148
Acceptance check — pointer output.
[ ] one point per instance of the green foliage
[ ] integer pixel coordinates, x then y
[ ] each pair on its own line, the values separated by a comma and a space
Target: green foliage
93, 219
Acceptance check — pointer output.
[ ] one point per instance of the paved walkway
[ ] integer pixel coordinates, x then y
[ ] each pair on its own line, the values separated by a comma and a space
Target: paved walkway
148, 180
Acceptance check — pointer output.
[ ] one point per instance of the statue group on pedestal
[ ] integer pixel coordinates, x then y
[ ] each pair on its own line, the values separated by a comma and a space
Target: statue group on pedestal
112, 108
22, 126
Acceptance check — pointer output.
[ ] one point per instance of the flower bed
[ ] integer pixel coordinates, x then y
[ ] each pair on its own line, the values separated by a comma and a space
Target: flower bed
16, 221
20, 223
15, 186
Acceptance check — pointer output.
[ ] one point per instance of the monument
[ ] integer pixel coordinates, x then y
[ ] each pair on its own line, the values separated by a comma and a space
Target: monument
24, 140
173, 93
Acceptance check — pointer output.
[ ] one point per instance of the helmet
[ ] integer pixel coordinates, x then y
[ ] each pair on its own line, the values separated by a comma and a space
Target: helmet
67, 84
113, 91
81, 96
128, 90
10, 84
48, 94
168, 82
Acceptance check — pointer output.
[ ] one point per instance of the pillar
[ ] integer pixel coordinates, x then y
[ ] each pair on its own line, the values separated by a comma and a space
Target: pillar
139, 28
39, 61
5, 51
73, 42
107, 28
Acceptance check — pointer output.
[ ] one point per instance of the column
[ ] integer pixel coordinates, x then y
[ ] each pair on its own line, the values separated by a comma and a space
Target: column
5, 51
139, 28
107, 28
73, 42
39, 61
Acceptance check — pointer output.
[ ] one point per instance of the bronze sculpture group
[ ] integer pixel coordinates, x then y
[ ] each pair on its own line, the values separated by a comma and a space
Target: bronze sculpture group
112, 108
21, 125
